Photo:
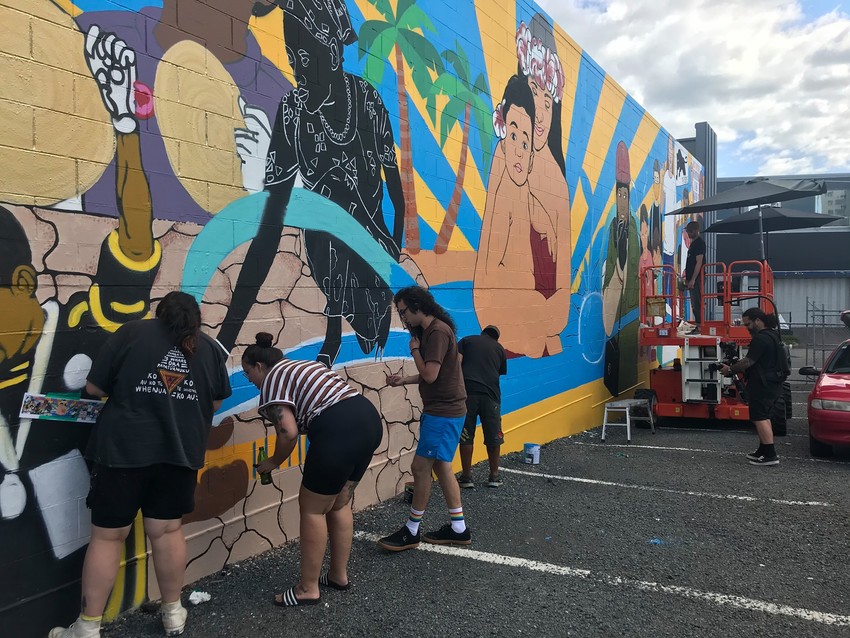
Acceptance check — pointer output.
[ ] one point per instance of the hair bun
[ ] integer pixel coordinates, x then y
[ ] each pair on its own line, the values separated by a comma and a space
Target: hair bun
264, 339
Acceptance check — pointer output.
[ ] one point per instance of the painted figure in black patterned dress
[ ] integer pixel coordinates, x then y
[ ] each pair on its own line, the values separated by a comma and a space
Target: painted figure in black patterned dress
333, 133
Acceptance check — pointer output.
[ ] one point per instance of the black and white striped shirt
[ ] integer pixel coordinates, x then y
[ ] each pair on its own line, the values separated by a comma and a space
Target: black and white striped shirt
307, 387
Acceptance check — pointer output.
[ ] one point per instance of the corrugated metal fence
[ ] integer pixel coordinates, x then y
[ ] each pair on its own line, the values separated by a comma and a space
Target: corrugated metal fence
794, 296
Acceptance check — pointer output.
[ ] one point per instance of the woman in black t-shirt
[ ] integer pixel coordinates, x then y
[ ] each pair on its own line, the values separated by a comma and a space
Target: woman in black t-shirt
164, 380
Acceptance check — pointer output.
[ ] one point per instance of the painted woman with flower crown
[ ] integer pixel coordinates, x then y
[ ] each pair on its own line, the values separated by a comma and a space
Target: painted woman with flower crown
539, 307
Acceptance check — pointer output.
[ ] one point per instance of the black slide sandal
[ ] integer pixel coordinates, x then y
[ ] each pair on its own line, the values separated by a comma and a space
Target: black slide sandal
288, 599
325, 581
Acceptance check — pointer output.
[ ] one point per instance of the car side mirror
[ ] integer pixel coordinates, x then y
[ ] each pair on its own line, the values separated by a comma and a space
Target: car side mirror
810, 371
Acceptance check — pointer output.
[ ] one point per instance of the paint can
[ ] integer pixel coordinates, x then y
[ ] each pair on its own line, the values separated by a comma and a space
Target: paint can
408, 492
531, 453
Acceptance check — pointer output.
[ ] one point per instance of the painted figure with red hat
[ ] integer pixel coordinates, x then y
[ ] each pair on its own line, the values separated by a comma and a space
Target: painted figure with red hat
620, 285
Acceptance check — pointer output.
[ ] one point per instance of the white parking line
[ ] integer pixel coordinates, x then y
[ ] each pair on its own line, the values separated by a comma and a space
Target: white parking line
652, 447
632, 446
684, 428
747, 431
718, 599
649, 488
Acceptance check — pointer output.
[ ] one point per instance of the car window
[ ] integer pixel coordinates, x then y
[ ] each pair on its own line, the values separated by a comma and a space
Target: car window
840, 363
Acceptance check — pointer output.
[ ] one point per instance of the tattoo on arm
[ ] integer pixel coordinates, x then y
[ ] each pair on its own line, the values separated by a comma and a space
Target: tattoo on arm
741, 365
275, 415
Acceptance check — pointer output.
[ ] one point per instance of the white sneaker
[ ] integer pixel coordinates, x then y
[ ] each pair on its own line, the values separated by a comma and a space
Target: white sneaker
174, 617
685, 328
80, 629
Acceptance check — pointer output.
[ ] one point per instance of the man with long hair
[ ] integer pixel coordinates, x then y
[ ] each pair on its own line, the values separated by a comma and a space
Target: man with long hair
433, 346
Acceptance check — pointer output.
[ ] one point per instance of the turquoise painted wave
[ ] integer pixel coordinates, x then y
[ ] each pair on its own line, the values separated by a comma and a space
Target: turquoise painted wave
239, 221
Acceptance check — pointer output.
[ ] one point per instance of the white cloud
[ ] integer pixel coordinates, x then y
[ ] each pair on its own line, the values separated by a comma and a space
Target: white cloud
774, 85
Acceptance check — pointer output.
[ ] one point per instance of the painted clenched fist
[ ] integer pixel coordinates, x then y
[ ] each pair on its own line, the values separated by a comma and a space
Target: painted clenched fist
113, 66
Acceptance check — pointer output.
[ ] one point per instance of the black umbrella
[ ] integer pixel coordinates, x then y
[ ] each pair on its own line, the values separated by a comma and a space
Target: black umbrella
754, 192
766, 219
773, 218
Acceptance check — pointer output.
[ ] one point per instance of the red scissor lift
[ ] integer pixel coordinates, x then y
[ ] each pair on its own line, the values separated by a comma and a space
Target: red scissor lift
691, 385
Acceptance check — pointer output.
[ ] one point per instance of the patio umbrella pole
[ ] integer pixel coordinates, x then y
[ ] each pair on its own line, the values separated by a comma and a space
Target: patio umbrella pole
761, 233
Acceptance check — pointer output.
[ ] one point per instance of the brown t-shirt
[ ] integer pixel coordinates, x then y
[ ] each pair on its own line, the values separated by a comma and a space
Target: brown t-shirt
447, 395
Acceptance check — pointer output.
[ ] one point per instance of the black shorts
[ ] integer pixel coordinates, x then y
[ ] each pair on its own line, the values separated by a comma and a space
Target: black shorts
161, 491
491, 420
342, 439
762, 400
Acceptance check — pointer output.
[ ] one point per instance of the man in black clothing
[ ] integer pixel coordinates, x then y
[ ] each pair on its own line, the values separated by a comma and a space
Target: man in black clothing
484, 360
693, 269
764, 387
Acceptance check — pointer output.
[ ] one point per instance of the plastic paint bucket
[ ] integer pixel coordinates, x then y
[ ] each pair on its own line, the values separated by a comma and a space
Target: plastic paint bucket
531, 453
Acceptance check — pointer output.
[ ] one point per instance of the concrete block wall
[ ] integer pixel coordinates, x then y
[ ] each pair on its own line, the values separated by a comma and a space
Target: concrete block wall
474, 149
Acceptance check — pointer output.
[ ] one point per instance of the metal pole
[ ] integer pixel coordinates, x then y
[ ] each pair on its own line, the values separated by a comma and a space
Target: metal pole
761, 233
808, 332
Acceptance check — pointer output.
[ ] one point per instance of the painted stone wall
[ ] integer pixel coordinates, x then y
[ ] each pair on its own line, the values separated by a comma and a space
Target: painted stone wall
292, 164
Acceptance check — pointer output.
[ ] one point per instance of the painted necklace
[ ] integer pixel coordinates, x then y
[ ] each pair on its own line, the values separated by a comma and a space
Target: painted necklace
339, 137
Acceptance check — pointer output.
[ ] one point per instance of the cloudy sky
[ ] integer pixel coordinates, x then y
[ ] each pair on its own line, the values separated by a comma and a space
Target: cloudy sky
772, 77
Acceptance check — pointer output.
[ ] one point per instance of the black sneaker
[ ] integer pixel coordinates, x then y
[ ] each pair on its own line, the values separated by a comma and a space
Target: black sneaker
465, 481
494, 481
765, 460
447, 536
400, 541
754, 456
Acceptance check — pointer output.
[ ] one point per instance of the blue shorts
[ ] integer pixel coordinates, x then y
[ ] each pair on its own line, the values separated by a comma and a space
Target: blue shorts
439, 436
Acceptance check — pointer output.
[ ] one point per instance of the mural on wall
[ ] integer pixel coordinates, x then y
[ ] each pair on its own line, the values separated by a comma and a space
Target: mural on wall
620, 287
333, 133
49, 348
196, 54
292, 164
525, 243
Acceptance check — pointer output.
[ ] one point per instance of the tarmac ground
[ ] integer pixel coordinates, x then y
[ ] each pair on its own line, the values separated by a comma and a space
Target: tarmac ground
674, 534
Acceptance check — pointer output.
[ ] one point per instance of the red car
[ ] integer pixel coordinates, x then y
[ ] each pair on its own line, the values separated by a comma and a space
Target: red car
829, 403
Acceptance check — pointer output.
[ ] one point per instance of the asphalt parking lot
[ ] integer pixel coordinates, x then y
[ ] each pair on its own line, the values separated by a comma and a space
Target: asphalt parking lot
673, 535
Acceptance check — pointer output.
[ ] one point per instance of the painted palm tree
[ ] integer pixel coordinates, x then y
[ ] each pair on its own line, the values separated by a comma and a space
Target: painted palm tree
401, 33
469, 100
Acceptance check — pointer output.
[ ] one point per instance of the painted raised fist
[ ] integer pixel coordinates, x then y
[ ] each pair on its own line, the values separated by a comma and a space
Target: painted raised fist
113, 66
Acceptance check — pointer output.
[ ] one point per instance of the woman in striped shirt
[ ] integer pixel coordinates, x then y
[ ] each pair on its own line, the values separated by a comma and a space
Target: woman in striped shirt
344, 430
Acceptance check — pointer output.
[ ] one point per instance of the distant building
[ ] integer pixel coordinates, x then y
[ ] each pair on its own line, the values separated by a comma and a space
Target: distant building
836, 202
